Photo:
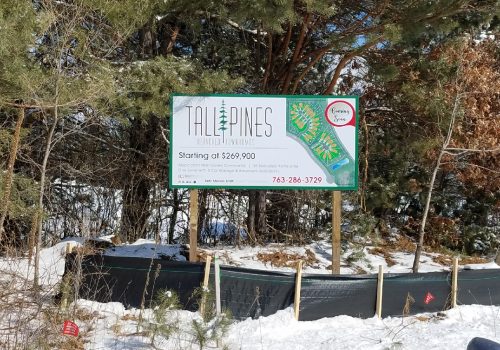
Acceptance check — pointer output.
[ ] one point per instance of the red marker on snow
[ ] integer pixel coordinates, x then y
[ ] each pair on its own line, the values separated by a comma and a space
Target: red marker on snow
70, 328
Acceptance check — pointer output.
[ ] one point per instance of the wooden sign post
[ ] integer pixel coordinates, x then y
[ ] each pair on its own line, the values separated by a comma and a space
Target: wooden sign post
336, 214
193, 225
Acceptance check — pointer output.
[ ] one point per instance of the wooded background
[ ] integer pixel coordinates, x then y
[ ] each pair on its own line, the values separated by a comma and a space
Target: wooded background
84, 93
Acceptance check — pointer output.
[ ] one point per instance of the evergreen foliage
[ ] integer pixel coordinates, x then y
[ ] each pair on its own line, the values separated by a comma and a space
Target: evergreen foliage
100, 74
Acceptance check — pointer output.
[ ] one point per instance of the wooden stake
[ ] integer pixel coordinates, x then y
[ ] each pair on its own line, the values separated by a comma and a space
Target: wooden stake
336, 213
380, 289
298, 284
454, 283
207, 271
193, 225
217, 286
64, 300
205, 284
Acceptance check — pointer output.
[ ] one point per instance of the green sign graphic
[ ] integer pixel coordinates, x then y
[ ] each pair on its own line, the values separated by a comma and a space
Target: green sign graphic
307, 122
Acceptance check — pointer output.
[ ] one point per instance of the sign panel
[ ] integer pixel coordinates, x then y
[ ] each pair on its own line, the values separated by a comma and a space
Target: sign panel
263, 141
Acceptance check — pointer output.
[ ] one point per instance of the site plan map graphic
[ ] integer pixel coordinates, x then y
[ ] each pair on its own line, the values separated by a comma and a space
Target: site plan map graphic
308, 122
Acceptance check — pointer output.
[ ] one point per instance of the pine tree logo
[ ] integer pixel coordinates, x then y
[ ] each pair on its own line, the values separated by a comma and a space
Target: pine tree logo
222, 119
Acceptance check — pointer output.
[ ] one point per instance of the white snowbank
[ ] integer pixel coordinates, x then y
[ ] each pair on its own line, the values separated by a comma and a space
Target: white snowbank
451, 329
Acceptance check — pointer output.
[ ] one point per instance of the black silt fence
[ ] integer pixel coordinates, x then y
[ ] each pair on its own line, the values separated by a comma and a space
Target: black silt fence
123, 279
413, 293
479, 287
333, 295
254, 293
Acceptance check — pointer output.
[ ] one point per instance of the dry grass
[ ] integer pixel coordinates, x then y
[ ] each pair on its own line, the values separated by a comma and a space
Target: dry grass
447, 259
387, 248
129, 317
423, 318
202, 257
85, 315
70, 343
402, 244
405, 244
117, 328
385, 252
472, 260
282, 258
357, 270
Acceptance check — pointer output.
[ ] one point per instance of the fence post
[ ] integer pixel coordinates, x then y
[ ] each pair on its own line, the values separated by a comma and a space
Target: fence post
217, 285
380, 288
454, 283
64, 288
298, 283
205, 284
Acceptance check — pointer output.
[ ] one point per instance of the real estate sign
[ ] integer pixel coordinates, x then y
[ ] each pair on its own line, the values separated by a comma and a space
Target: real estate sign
263, 141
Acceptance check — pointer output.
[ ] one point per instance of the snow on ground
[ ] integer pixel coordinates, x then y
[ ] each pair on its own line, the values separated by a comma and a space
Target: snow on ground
453, 329
144, 248
353, 261
110, 326
51, 263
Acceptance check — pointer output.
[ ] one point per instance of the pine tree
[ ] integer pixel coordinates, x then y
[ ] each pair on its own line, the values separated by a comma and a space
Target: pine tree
222, 119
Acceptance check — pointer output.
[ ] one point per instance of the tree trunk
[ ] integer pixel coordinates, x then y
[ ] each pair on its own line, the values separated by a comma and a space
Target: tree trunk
202, 211
4, 206
252, 198
43, 174
167, 36
146, 42
135, 209
260, 208
173, 218
446, 142
421, 233
136, 190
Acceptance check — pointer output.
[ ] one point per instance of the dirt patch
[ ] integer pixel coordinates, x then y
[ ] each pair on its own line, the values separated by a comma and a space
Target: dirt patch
282, 258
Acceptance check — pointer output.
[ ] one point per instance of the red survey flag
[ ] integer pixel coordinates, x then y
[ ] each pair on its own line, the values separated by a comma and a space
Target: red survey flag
429, 297
70, 328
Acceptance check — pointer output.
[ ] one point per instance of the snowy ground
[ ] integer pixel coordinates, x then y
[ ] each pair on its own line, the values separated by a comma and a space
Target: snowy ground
354, 260
110, 326
452, 329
